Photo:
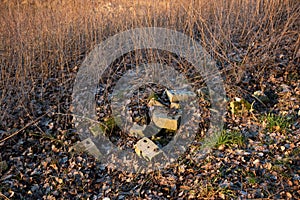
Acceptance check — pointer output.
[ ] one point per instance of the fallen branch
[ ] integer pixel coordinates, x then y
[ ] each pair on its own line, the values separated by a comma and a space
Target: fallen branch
3, 196
27, 125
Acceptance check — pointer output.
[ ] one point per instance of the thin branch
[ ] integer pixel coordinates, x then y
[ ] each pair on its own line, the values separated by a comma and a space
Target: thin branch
3, 196
23, 128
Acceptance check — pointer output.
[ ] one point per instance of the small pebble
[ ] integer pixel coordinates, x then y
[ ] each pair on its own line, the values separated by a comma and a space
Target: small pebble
260, 154
256, 162
268, 166
289, 195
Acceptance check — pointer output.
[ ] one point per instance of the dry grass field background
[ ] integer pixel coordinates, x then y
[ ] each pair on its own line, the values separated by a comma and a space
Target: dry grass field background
47, 40
255, 44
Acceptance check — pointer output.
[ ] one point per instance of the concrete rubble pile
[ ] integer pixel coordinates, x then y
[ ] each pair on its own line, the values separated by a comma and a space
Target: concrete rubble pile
162, 117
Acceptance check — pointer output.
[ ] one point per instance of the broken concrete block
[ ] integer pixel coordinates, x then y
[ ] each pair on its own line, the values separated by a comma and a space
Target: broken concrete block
151, 130
144, 131
89, 146
179, 95
137, 130
147, 149
153, 102
162, 119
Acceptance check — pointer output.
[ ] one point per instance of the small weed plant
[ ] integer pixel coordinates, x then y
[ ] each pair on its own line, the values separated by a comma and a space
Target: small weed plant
230, 139
274, 122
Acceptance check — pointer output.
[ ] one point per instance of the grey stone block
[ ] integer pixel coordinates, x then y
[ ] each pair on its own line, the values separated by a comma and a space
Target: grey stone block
89, 146
151, 130
147, 149
162, 119
180, 95
137, 131
144, 131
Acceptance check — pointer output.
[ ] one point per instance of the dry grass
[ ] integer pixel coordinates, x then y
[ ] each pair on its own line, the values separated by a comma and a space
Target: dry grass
44, 42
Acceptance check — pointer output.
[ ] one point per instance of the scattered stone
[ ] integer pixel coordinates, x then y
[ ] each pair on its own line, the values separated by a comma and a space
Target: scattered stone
261, 96
288, 195
243, 193
89, 146
256, 162
137, 131
153, 102
163, 119
268, 165
226, 184
296, 177
151, 130
147, 149
179, 95
144, 131
260, 154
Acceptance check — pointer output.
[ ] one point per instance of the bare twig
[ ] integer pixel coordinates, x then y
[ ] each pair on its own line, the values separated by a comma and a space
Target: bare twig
3, 196
27, 125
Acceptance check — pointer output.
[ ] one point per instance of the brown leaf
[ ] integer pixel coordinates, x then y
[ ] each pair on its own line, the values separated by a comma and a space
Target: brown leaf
185, 187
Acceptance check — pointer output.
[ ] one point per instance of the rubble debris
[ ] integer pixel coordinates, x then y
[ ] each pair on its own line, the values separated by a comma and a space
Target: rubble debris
137, 131
89, 146
144, 131
153, 102
179, 95
163, 119
151, 130
147, 149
